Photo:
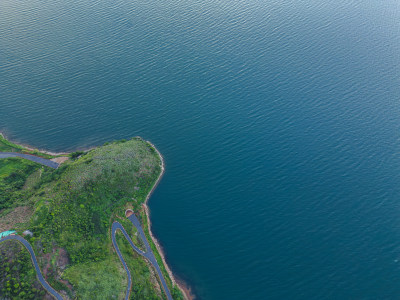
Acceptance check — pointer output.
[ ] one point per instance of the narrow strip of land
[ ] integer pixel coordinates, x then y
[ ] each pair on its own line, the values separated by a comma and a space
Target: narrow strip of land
37, 159
35, 264
147, 254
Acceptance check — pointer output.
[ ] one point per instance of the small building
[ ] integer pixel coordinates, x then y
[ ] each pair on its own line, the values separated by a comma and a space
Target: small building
7, 233
27, 232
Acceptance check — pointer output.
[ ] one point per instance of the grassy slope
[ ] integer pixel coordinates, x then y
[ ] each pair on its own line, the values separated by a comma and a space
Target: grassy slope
16, 165
14, 172
74, 208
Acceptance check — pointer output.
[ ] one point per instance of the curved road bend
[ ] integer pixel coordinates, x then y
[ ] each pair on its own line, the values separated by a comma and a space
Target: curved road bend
35, 264
114, 228
148, 254
37, 159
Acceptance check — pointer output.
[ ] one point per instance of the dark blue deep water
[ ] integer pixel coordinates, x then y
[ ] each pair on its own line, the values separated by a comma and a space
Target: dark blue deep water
279, 122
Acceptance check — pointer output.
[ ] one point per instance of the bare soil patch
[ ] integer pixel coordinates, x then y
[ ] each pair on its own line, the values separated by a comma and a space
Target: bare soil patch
128, 213
60, 159
18, 215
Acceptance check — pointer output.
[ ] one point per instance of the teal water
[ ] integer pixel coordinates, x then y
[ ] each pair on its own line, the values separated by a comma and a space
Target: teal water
279, 122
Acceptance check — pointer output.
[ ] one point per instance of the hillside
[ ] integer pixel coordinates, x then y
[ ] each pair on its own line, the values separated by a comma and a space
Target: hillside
70, 211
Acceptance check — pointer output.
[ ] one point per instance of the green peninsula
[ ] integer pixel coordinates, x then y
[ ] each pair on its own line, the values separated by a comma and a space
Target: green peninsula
66, 215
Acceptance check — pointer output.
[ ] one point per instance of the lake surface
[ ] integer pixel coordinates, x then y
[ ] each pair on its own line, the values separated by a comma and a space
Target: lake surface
279, 122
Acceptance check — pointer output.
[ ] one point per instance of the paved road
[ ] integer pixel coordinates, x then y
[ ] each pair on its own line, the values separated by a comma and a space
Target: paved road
42, 161
147, 254
35, 264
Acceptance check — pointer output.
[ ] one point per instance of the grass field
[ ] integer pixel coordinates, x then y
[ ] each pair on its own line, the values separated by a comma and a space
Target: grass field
98, 280
14, 173
16, 165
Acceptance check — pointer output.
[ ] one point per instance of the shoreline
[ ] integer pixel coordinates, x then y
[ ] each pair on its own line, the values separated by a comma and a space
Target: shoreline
30, 148
183, 287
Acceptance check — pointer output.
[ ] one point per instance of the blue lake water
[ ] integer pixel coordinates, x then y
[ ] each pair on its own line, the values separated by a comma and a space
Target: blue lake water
279, 122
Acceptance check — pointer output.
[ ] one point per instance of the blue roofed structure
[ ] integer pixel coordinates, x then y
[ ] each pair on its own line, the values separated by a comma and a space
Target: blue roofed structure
7, 233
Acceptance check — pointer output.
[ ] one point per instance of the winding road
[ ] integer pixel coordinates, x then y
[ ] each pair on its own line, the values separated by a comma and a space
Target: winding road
37, 159
147, 254
35, 264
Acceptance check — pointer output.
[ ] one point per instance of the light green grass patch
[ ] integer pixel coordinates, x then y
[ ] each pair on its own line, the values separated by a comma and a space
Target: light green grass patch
98, 280
33, 179
15, 164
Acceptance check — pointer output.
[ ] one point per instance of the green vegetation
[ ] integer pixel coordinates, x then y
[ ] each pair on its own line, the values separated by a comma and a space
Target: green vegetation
75, 155
17, 275
7, 146
109, 281
141, 272
73, 209
14, 172
132, 232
